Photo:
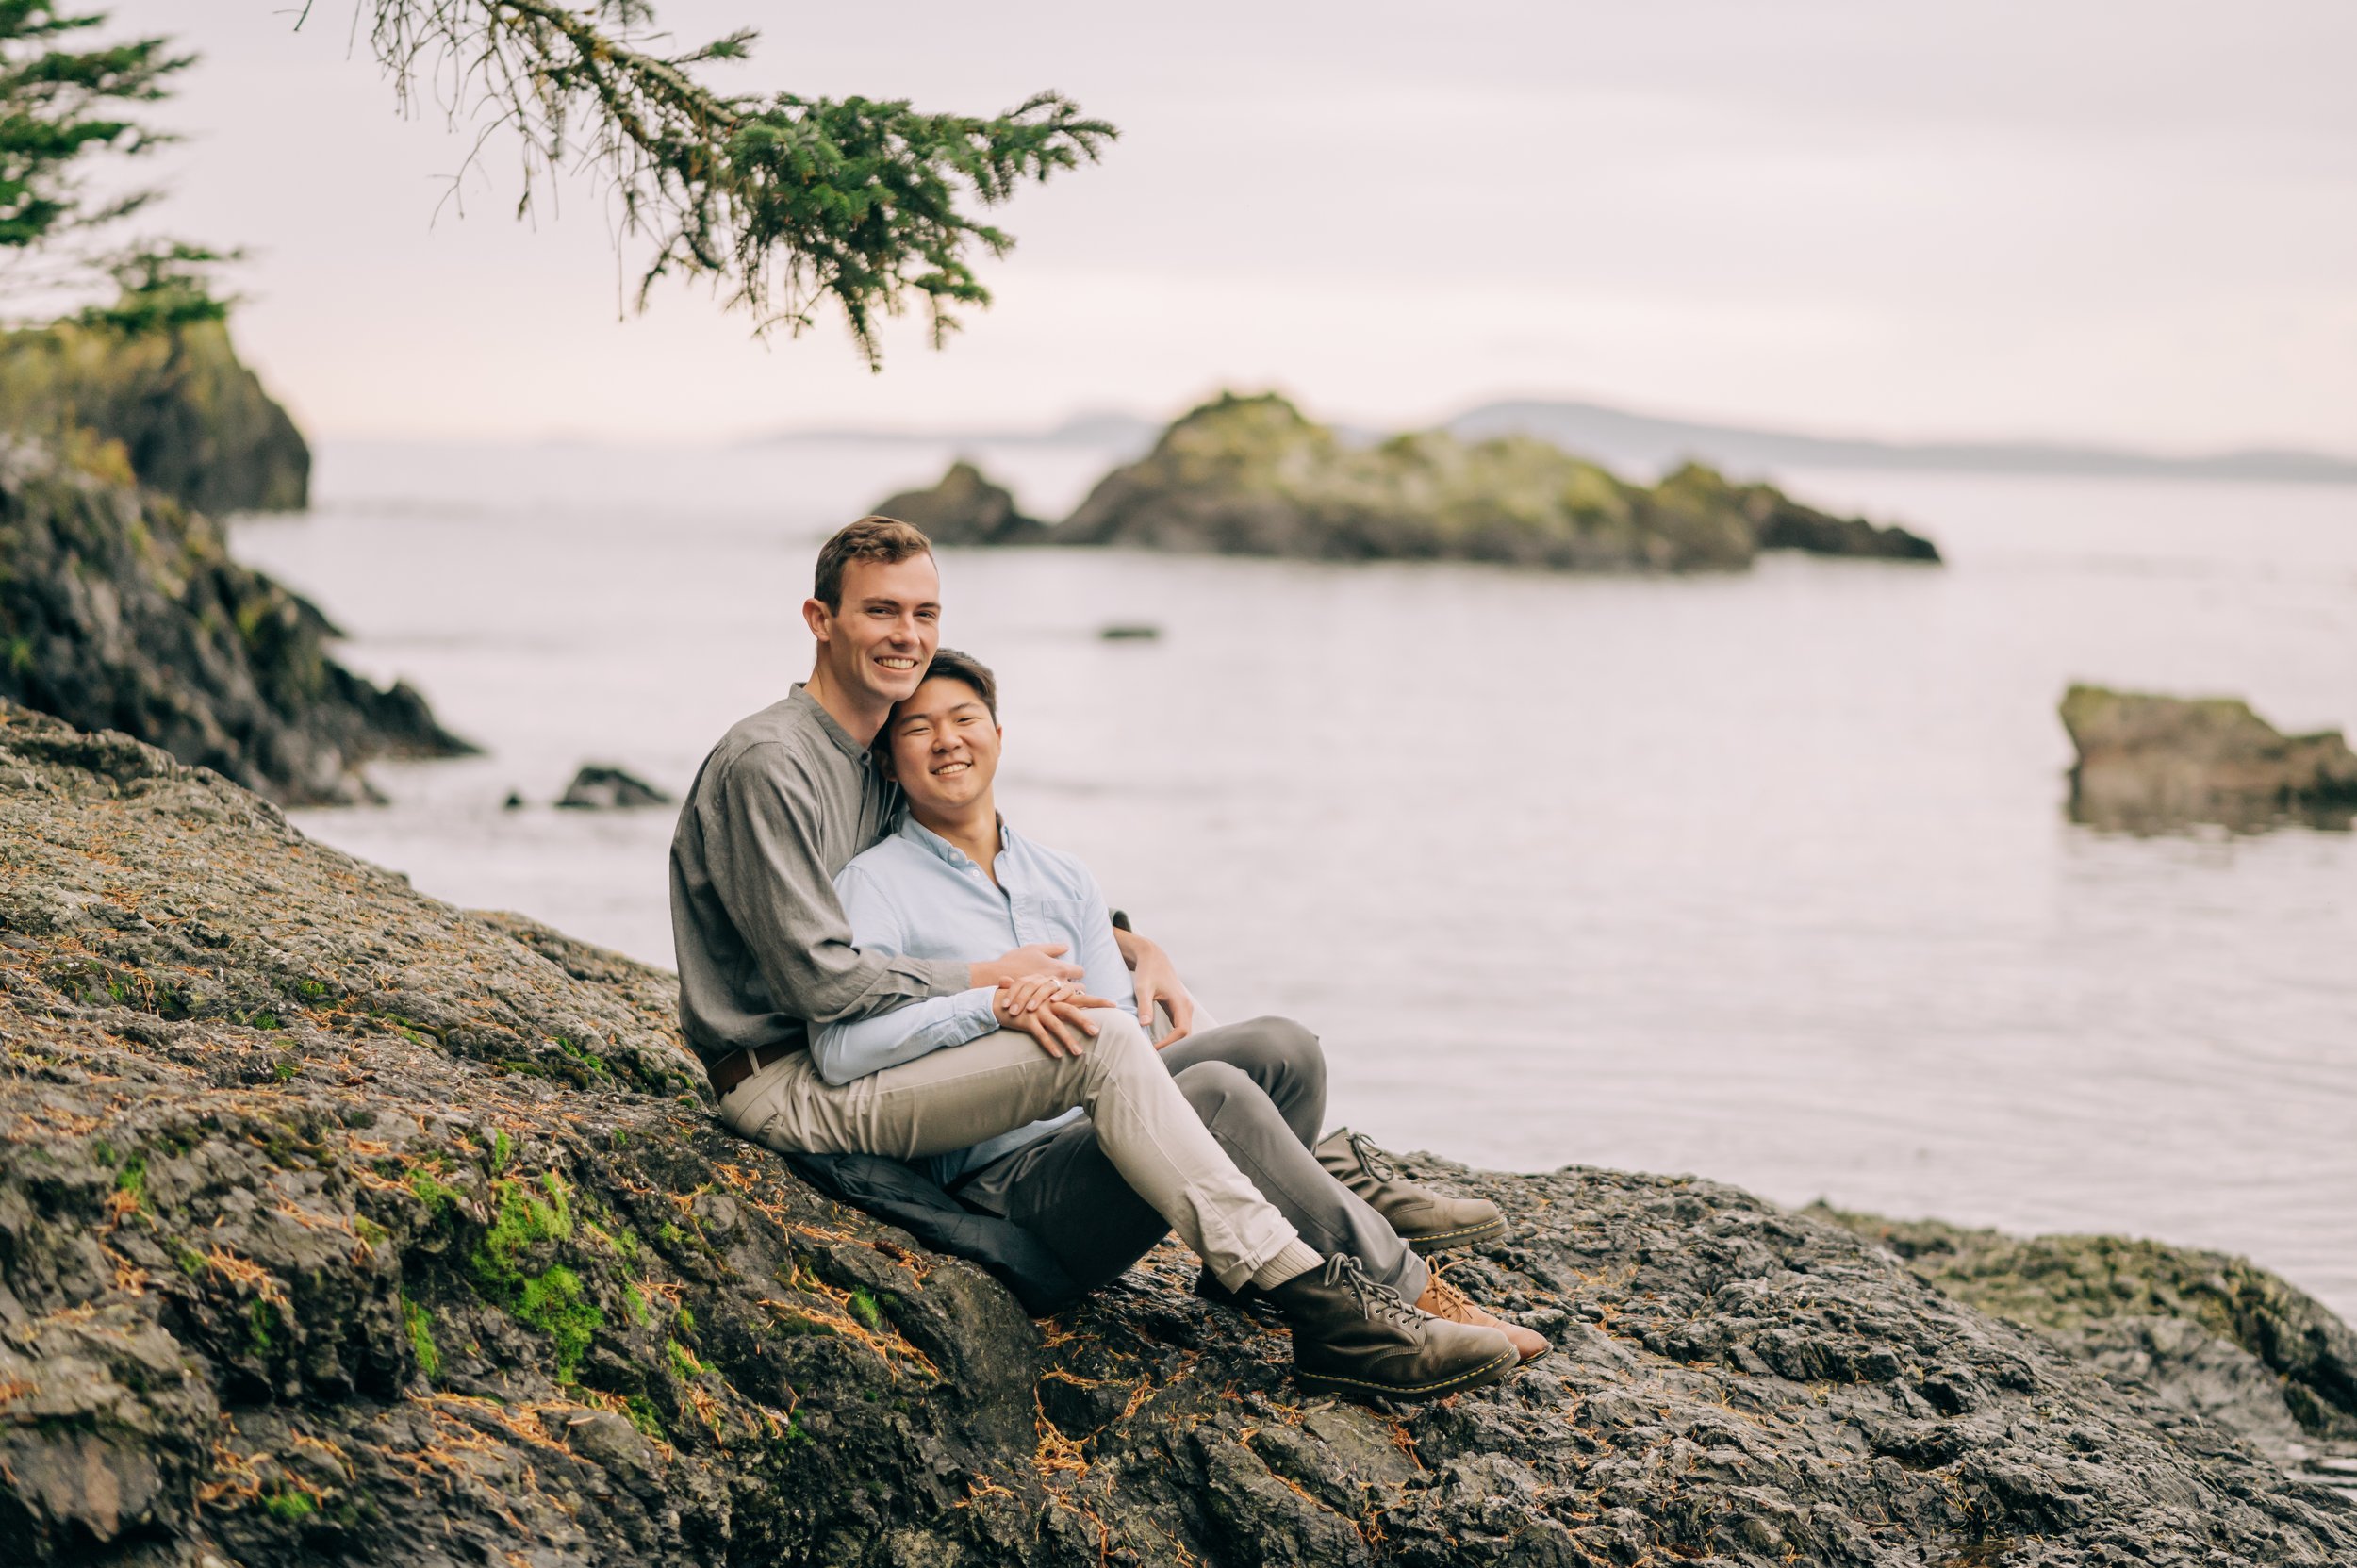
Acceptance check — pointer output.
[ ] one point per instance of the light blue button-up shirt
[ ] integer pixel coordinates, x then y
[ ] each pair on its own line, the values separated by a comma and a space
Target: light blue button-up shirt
919, 896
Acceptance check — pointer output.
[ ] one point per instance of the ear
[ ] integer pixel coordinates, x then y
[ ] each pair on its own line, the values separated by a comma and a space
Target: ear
818, 617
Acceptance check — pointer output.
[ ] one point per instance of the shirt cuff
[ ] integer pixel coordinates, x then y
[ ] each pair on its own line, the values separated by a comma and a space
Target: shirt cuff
977, 1012
948, 979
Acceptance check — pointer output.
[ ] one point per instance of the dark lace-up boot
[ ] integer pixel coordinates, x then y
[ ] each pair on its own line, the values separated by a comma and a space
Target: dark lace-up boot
1426, 1220
1356, 1338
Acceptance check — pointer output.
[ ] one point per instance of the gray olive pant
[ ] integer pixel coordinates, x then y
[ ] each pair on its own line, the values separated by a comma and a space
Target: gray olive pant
1259, 1087
955, 1098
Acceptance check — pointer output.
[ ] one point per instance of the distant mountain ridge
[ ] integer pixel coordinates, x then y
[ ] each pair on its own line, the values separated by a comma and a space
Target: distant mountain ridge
1621, 438
1644, 441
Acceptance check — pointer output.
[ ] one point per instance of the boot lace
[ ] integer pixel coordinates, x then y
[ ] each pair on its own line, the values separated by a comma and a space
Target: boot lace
1371, 1159
1378, 1301
1455, 1304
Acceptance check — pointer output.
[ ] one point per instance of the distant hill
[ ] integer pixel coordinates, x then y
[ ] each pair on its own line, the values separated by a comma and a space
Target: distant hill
1618, 438
1647, 444
1110, 428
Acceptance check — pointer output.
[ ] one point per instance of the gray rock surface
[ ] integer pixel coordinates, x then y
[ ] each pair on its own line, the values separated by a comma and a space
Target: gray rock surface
2208, 1332
603, 786
2148, 761
339, 1224
122, 609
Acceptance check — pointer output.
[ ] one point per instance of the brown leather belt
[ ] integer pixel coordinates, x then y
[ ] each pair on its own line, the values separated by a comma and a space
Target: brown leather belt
730, 1071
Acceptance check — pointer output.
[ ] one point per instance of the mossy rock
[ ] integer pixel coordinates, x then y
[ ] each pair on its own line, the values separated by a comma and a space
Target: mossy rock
191, 419
1254, 476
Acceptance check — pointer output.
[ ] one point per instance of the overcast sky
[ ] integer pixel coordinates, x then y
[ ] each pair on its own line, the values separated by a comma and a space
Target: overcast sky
2132, 222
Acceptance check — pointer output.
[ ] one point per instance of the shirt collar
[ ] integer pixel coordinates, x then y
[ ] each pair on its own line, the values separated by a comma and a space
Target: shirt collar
918, 833
834, 732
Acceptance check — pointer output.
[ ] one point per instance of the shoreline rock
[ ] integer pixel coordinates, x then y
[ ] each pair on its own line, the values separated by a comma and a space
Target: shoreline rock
122, 609
2208, 1332
337, 1224
1252, 476
2148, 763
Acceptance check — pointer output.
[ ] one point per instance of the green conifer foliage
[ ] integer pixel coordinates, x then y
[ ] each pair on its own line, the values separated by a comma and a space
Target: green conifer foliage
58, 105
785, 202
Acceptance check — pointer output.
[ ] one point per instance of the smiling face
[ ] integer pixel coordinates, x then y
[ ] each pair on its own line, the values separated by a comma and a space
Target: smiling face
944, 747
876, 643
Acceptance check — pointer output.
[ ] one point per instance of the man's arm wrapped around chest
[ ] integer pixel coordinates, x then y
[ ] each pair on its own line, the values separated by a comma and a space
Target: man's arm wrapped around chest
763, 822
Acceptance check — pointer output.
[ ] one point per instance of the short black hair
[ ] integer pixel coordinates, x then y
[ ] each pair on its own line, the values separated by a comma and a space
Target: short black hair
949, 664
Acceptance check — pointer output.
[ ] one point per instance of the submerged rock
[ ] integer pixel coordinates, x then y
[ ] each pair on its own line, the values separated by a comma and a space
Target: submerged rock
964, 508
339, 1224
603, 787
1252, 476
2150, 761
120, 609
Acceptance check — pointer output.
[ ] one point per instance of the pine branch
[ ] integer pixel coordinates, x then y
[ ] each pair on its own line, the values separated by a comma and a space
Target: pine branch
785, 204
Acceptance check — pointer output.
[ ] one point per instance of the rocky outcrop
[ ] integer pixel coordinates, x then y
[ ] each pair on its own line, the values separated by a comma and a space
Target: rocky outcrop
122, 609
1780, 522
964, 508
2209, 1332
339, 1224
193, 420
2148, 761
603, 787
1252, 476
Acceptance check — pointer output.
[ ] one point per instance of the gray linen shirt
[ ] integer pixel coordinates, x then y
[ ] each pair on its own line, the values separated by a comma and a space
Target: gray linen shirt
780, 806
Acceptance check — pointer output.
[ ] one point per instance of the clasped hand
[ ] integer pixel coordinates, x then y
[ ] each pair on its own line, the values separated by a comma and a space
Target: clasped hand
1051, 1009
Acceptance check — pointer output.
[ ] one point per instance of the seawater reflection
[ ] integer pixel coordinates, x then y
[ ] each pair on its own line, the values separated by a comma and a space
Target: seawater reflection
1767, 878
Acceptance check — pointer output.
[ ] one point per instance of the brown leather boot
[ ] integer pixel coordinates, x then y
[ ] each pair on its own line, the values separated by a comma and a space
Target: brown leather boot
1354, 1337
1443, 1299
1426, 1220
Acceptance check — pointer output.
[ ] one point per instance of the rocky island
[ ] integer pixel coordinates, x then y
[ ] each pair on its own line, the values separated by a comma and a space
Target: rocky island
1253, 476
340, 1224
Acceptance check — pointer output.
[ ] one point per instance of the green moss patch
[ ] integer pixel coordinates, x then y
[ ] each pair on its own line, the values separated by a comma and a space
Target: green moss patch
418, 1323
529, 1216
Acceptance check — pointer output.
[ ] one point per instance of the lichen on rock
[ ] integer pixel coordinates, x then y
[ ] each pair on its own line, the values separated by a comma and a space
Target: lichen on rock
339, 1224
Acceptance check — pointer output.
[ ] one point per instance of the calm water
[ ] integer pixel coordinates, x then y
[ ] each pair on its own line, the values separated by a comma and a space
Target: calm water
1765, 878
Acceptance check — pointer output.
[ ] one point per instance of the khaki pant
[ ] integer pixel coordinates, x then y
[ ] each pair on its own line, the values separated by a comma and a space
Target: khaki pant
954, 1098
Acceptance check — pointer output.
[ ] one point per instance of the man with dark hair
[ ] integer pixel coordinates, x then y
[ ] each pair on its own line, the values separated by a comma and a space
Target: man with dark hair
957, 878
788, 797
